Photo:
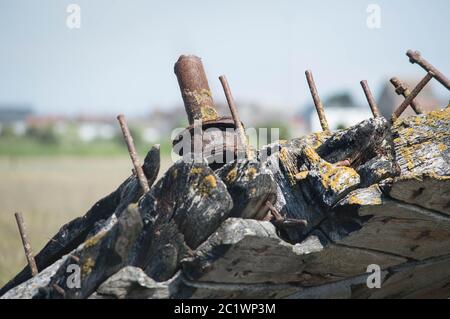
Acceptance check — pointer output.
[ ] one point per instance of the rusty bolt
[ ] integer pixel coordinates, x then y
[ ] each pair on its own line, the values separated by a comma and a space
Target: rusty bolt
402, 89
199, 106
370, 99
411, 96
316, 99
416, 57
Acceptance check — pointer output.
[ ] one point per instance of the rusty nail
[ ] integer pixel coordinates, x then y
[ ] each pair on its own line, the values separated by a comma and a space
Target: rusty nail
370, 99
345, 162
133, 154
280, 220
416, 57
58, 288
276, 214
194, 87
412, 96
75, 258
235, 115
402, 89
26, 244
316, 99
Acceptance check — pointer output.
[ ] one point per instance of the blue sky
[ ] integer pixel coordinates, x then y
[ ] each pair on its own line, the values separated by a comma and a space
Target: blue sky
121, 59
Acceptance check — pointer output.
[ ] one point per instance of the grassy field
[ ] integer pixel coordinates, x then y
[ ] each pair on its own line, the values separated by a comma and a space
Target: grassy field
50, 191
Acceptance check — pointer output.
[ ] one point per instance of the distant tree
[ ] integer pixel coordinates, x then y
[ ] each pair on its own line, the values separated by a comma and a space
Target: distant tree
44, 135
7, 131
340, 99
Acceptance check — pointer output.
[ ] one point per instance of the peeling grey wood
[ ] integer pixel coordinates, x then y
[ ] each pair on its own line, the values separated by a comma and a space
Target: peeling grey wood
98, 258
251, 186
426, 279
427, 190
392, 227
358, 214
249, 251
132, 283
179, 213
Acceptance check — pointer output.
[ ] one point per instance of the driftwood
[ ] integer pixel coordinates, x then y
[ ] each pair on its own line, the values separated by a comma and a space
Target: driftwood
370, 194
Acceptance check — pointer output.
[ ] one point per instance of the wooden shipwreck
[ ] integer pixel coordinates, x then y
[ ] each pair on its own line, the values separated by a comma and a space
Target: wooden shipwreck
303, 218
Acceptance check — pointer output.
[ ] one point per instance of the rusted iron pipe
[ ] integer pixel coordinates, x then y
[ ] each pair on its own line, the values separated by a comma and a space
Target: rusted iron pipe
411, 96
26, 244
317, 102
402, 89
194, 88
370, 99
416, 57
133, 154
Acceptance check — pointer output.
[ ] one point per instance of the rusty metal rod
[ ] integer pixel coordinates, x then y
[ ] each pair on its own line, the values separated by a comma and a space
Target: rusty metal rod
411, 96
133, 154
370, 99
280, 220
416, 57
236, 118
59, 290
26, 244
316, 99
402, 89
75, 258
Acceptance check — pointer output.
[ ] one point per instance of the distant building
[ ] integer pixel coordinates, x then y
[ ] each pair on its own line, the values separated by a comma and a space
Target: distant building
388, 100
15, 117
96, 127
14, 113
340, 111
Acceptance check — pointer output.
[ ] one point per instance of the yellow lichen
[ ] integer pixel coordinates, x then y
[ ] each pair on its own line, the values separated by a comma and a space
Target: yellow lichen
301, 175
92, 241
332, 176
356, 200
87, 266
436, 116
231, 176
409, 131
442, 147
381, 171
284, 156
319, 138
207, 184
251, 172
336, 177
196, 170
407, 155
312, 155
208, 113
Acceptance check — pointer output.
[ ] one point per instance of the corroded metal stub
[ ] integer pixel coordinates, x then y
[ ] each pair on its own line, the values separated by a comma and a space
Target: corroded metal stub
219, 141
218, 136
194, 89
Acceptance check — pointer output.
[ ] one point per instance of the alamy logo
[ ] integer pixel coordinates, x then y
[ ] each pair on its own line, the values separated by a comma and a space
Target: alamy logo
373, 20
74, 279
374, 279
73, 20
